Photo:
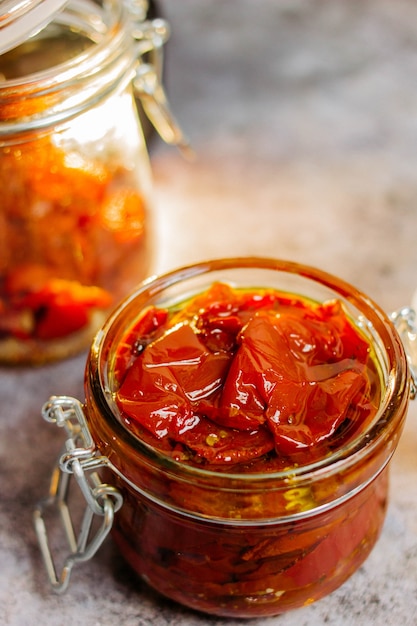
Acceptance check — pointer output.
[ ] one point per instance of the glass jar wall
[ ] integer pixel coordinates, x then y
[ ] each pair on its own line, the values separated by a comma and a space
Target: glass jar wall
75, 214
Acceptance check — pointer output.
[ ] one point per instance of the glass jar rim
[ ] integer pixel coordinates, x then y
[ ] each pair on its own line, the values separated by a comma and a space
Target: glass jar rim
397, 388
66, 88
103, 29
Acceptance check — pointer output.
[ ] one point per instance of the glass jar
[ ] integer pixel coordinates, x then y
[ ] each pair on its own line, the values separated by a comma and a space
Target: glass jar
232, 544
75, 215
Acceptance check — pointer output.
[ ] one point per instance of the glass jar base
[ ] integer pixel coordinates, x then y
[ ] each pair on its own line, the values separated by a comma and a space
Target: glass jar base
16, 352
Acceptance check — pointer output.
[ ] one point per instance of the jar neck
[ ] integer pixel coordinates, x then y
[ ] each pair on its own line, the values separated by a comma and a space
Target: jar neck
103, 60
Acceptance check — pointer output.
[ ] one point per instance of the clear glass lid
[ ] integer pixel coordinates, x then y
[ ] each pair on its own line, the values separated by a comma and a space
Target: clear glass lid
19, 19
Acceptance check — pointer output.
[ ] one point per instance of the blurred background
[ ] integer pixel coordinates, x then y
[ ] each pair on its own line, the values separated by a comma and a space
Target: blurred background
302, 115
303, 118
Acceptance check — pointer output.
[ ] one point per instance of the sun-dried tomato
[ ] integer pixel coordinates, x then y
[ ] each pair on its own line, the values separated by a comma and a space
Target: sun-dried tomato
234, 375
69, 216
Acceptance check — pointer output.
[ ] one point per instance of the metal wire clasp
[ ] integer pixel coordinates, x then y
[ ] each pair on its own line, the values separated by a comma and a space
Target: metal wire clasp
151, 36
405, 322
79, 460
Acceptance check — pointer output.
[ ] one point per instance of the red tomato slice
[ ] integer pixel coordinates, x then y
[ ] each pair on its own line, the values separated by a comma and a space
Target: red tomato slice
172, 374
143, 332
302, 405
61, 307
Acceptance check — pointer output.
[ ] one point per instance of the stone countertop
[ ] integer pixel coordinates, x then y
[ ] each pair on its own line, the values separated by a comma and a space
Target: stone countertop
303, 117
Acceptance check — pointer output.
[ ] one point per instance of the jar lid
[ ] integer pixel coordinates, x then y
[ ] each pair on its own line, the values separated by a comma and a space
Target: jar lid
20, 19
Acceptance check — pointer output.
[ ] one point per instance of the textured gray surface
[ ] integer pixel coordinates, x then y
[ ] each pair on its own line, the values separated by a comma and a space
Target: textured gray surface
303, 115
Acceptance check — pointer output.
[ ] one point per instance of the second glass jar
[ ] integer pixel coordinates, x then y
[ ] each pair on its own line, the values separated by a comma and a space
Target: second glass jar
75, 215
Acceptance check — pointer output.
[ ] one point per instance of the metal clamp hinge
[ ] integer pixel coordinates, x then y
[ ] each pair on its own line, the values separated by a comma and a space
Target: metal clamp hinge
405, 322
151, 36
78, 460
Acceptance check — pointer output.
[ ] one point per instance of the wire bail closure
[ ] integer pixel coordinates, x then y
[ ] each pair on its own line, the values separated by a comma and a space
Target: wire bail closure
151, 36
79, 460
